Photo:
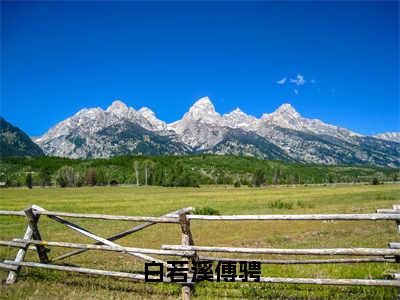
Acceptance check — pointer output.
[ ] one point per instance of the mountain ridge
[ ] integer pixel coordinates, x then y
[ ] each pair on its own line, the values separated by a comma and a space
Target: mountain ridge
202, 128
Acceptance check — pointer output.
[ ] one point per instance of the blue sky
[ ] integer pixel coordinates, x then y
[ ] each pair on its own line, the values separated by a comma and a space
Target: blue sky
58, 57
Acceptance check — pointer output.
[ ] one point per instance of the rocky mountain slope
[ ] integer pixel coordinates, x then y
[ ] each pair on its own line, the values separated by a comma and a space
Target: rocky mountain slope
389, 136
14, 142
283, 134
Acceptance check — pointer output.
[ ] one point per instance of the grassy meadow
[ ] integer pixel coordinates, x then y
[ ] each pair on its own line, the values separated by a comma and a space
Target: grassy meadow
155, 201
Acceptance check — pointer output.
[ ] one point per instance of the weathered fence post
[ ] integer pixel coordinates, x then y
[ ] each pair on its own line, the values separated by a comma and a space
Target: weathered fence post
187, 240
12, 275
397, 258
32, 223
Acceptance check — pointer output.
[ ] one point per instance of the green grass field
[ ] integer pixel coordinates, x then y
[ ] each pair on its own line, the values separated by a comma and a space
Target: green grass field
155, 201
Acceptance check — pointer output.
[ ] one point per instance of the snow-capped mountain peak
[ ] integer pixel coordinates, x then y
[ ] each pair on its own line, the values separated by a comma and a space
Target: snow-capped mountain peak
203, 105
204, 102
119, 108
285, 116
287, 110
203, 110
196, 128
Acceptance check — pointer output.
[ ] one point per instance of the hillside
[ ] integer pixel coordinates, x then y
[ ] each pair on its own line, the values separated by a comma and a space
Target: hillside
14, 142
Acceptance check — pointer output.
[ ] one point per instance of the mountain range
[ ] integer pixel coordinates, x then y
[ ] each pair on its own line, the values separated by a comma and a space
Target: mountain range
283, 135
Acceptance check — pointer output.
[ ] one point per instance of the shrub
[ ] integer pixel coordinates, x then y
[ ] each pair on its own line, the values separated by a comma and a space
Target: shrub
206, 211
303, 204
102, 176
236, 184
79, 179
278, 204
65, 176
375, 181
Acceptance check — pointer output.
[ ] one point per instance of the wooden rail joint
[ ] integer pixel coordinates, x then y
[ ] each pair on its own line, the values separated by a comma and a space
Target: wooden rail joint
33, 224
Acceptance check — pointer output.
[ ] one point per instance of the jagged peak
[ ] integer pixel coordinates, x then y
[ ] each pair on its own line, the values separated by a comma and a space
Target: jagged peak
237, 110
204, 110
203, 102
85, 110
287, 109
150, 116
117, 105
146, 111
205, 99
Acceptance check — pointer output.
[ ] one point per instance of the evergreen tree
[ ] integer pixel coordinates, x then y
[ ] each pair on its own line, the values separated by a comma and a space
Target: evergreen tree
395, 177
375, 181
45, 177
277, 176
258, 177
28, 180
91, 177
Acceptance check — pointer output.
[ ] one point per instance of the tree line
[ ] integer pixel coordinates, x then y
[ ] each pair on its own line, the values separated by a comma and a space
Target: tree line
175, 171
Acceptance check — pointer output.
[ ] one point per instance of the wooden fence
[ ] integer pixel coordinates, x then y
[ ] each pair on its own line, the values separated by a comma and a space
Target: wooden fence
32, 240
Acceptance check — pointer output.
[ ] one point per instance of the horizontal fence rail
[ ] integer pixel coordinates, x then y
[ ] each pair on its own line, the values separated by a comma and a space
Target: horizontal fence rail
133, 276
111, 217
332, 251
318, 217
32, 240
326, 281
303, 261
19, 243
140, 277
12, 213
391, 215
96, 216
388, 211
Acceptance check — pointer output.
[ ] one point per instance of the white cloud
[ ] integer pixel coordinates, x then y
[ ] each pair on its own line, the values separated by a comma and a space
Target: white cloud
299, 80
296, 91
282, 81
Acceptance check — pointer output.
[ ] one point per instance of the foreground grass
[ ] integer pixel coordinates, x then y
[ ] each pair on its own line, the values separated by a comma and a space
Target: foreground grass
154, 201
